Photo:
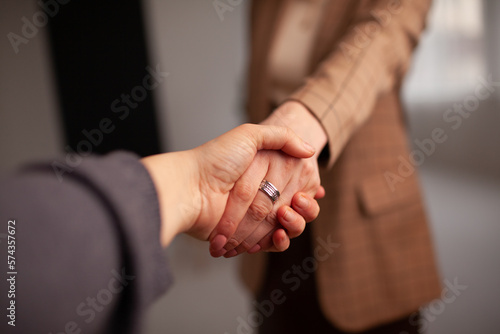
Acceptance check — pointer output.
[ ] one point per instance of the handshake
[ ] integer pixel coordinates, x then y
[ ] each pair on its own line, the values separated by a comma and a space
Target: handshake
251, 189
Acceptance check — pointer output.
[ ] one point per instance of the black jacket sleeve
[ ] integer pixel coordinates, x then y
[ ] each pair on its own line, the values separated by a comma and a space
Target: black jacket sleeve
87, 256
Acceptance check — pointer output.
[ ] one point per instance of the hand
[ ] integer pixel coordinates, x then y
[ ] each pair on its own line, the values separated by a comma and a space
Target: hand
193, 186
288, 174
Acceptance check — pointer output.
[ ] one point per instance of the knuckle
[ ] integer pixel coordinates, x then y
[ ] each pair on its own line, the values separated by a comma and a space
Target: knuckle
272, 217
308, 169
270, 224
244, 192
244, 246
311, 186
246, 127
226, 227
232, 243
315, 188
289, 163
258, 211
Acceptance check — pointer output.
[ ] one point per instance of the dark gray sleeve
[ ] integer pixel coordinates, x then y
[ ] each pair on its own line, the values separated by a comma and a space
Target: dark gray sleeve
87, 253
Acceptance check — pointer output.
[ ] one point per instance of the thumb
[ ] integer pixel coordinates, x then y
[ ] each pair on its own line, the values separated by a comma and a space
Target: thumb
270, 137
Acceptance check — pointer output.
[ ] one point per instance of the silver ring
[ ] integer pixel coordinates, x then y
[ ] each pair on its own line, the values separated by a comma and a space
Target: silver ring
270, 190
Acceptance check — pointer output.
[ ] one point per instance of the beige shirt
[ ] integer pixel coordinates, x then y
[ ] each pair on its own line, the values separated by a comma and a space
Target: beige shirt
291, 52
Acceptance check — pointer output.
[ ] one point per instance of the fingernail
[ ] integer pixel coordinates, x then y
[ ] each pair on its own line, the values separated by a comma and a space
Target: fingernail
302, 202
218, 242
231, 253
254, 249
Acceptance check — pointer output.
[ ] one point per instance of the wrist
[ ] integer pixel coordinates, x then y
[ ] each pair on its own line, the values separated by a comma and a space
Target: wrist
175, 177
303, 122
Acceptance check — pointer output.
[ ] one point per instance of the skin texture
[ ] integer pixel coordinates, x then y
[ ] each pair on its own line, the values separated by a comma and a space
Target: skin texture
257, 214
194, 186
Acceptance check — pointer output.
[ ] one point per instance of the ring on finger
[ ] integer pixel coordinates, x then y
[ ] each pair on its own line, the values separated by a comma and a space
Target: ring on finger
270, 190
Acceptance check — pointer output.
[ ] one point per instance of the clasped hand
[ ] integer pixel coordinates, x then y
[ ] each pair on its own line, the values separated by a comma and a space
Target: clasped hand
212, 192
250, 220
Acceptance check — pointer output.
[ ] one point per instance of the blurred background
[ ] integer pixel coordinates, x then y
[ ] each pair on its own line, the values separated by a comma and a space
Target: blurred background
203, 96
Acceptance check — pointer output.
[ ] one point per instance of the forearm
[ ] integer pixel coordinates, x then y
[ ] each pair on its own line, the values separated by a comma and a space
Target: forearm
345, 87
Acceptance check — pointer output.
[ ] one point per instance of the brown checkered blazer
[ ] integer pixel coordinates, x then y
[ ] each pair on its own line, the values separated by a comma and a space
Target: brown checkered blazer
384, 268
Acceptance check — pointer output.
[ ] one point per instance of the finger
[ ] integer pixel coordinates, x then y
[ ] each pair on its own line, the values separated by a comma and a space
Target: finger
264, 227
293, 220
276, 241
259, 213
305, 206
268, 137
292, 223
281, 241
321, 193
277, 236
238, 203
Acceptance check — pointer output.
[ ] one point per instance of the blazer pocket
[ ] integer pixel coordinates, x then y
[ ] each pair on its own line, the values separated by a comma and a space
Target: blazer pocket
376, 196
